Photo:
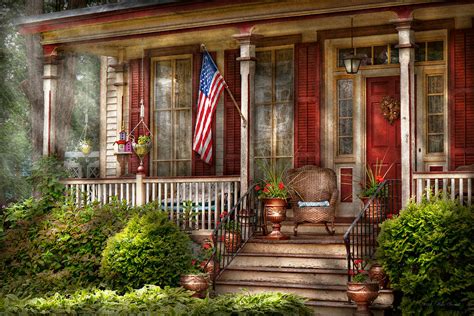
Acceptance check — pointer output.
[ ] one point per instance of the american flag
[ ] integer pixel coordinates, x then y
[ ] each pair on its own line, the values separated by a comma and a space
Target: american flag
210, 87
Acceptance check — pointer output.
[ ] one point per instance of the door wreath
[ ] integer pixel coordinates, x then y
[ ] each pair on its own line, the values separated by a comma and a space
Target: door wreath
390, 109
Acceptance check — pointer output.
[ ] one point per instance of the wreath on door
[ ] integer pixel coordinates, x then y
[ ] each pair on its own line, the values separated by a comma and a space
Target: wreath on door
390, 109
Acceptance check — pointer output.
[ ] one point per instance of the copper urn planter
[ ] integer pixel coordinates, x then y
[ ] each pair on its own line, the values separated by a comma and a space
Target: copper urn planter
198, 283
232, 241
363, 294
275, 212
377, 273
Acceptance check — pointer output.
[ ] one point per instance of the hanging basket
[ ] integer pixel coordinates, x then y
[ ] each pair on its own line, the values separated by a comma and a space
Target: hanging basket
142, 147
85, 147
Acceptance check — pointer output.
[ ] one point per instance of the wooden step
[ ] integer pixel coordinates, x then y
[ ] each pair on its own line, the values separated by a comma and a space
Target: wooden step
290, 260
285, 275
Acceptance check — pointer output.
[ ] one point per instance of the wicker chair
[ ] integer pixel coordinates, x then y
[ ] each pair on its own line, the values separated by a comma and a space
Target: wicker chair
313, 184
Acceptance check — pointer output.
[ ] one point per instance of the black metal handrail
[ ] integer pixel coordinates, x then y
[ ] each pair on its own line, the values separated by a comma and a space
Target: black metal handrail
361, 237
243, 218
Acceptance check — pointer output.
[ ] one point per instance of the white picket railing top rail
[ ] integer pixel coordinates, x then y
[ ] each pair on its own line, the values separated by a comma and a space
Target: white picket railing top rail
444, 175
205, 179
71, 181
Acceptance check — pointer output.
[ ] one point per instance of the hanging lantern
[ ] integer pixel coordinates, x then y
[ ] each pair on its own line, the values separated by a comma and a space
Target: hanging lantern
85, 144
352, 61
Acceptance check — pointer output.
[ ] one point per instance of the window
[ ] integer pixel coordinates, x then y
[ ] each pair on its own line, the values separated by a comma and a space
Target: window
371, 55
429, 51
345, 120
435, 113
274, 95
172, 116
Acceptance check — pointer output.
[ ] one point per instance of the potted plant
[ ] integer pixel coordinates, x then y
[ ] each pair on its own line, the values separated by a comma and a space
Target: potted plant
362, 290
370, 188
189, 213
232, 237
85, 146
274, 193
197, 276
207, 258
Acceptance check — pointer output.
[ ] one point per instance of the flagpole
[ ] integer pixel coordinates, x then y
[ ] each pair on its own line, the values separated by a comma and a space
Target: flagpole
244, 121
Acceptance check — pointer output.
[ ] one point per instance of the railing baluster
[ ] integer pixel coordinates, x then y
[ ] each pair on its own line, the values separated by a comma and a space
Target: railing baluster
461, 190
469, 192
419, 190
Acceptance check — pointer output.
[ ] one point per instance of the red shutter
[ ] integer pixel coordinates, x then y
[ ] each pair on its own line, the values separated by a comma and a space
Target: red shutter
135, 85
200, 168
461, 99
231, 115
307, 93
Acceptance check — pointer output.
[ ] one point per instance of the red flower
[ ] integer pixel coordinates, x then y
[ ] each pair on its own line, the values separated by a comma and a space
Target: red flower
257, 188
358, 261
222, 238
351, 272
193, 262
207, 246
390, 215
379, 179
266, 190
217, 223
281, 186
223, 214
268, 185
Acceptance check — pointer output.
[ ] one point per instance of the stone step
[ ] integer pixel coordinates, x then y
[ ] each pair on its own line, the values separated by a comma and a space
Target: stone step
310, 291
334, 308
288, 225
290, 260
303, 244
285, 275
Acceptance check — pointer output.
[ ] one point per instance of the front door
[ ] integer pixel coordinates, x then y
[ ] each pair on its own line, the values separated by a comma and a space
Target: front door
383, 138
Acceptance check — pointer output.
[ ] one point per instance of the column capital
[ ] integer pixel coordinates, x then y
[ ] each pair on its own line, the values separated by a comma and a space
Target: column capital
403, 23
247, 38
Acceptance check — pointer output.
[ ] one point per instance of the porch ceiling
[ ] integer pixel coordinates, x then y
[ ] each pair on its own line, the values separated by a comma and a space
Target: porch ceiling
104, 29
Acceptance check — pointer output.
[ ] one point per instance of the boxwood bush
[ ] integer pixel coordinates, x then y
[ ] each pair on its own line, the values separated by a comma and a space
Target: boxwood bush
152, 300
150, 250
59, 250
429, 255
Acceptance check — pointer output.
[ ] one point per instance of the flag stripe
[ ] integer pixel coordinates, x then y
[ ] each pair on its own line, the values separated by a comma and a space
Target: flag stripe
210, 87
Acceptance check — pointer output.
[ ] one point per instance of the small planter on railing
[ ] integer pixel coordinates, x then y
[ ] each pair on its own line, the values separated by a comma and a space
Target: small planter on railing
232, 236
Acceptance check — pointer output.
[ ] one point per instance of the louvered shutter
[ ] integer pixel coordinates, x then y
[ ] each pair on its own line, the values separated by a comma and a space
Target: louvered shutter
307, 92
231, 115
461, 72
200, 168
135, 86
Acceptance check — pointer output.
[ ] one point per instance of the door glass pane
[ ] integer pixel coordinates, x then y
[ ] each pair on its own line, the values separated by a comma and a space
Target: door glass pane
345, 145
183, 168
436, 143
435, 84
344, 89
163, 85
164, 169
435, 124
283, 117
435, 104
366, 54
420, 51
263, 77
183, 84
284, 75
345, 117
393, 54
163, 134
183, 134
263, 130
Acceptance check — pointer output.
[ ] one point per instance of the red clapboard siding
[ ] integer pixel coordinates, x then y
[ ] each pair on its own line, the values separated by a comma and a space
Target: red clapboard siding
231, 115
461, 101
200, 168
346, 185
135, 86
307, 134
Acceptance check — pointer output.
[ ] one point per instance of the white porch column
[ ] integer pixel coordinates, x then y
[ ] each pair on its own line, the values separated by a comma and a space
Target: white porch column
50, 78
406, 41
247, 72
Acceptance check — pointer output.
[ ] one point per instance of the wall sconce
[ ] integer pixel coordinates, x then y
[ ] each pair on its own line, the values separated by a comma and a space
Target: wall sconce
352, 61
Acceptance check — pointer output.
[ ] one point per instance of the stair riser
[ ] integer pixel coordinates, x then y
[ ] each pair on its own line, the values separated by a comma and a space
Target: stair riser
284, 248
284, 277
339, 311
313, 294
289, 262
287, 228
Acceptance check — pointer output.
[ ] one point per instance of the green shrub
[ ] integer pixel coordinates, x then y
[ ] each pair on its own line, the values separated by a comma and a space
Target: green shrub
428, 254
155, 301
150, 250
61, 250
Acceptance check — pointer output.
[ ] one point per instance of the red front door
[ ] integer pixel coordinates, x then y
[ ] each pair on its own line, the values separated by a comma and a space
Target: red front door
383, 138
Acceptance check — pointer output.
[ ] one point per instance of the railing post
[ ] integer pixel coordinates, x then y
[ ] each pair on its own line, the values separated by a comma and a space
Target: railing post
140, 191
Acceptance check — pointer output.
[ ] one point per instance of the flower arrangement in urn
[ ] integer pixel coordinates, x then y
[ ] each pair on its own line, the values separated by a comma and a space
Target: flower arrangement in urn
274, 192
362, 290
197, 276
374, 179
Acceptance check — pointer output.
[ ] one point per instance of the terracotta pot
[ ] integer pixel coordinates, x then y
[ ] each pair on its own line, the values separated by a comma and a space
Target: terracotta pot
374, 209
232, 241
377, 273
275, 212
195, 282
363, 294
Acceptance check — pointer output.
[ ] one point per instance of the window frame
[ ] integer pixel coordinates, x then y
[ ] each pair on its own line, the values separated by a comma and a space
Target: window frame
153, 157
274, 157
344, 157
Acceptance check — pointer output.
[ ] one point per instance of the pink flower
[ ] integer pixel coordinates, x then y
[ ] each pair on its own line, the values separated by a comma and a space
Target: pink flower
281, 186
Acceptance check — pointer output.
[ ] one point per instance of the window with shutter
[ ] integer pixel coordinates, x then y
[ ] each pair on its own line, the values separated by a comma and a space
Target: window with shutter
461, 98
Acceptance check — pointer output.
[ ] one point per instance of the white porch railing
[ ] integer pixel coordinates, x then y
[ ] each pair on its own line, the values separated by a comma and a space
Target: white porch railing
210, 196
455, 185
